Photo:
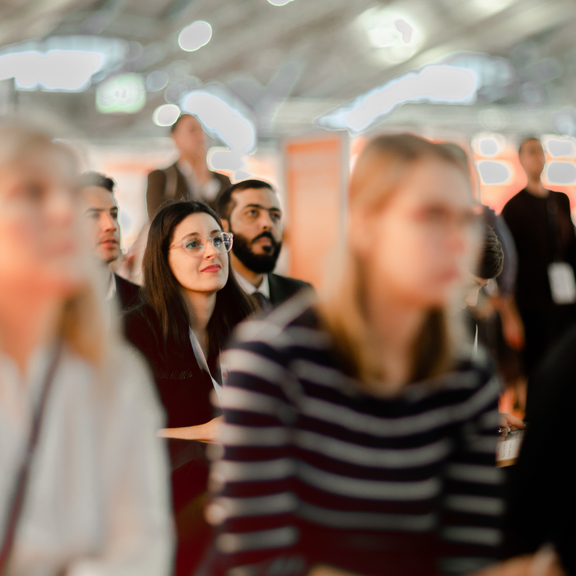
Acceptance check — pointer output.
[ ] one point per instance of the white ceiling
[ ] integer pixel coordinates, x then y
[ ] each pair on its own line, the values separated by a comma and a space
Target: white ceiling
289, 64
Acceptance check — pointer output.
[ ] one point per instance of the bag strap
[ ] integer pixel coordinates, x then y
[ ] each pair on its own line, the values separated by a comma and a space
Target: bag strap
15, 505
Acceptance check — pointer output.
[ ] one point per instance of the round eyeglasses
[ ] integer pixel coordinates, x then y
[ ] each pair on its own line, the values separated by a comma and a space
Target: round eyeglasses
196, 245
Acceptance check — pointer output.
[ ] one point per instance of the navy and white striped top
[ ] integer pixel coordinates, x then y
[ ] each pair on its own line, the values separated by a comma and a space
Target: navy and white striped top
314, 471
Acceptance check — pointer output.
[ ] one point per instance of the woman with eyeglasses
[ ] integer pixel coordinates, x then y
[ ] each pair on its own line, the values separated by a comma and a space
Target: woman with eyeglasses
359, 433
191, 303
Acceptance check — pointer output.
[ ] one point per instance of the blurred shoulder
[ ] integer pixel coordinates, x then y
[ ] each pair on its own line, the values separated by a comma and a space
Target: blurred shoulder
289, 329
517, 200
474, 378
120, 384
287, 281
283, 288
561, 198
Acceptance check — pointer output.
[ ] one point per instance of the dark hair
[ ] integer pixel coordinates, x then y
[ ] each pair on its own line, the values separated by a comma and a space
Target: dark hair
492, 260
175, 125
161, 290
96, 179
527, 139
225, 204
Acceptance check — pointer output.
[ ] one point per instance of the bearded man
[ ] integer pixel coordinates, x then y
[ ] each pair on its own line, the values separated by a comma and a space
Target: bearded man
250, 209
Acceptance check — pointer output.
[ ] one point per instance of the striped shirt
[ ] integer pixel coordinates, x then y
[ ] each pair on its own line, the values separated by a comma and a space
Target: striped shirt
314, 471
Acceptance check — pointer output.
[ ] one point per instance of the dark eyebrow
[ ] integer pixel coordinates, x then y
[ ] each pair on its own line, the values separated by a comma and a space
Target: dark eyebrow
261, 207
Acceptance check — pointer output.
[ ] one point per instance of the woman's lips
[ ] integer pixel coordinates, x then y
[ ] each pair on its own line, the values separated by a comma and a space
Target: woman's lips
212, 268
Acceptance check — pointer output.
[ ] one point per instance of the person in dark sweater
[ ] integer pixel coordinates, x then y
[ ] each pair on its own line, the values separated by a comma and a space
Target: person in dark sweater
541, 225
190, 304
358, 433
251, 210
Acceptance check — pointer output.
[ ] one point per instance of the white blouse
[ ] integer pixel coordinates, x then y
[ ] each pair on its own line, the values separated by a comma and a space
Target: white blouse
97, 501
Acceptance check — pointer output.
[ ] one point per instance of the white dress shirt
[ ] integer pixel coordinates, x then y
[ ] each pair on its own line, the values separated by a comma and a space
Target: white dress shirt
97, 500
249, 288
201, 359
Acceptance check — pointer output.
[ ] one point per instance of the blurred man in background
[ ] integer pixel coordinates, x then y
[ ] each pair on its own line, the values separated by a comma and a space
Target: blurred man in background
251, 211
541, 225
189, 178
101, 212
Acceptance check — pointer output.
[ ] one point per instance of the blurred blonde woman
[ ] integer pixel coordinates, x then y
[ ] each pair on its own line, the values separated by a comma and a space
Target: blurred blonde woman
83, 482
358, 432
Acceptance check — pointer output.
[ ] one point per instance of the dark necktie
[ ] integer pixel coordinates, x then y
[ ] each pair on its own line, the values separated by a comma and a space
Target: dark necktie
263, 302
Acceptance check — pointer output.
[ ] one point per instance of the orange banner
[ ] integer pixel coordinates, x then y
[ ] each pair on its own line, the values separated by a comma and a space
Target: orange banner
316, 177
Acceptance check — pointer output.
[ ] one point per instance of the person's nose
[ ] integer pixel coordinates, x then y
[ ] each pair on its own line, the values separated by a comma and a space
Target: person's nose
266, 220
110, 224
210, 252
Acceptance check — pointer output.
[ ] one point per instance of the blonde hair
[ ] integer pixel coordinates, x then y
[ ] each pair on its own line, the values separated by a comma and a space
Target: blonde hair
82, 317
379, 172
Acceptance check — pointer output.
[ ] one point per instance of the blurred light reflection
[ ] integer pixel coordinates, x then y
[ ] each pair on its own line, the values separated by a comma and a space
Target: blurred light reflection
166, 115
435, 84
60, 63
195, 36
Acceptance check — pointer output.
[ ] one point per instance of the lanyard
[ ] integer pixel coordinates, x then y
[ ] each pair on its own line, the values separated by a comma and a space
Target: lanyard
199, 353
15, 506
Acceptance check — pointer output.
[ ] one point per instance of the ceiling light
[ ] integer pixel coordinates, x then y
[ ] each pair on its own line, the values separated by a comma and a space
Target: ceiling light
124, 93
393, 34
60, 63
166, 115
195, 36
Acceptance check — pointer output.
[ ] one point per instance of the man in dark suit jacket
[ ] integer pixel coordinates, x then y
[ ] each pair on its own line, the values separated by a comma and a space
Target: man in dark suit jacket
189, 178
251, 211
101, 211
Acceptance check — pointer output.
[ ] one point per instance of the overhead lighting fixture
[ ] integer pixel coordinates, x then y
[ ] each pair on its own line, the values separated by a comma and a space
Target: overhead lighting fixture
279, 2
195, 36
166, 115
226, 119
124, 93
393, 34
436, 84
60, 63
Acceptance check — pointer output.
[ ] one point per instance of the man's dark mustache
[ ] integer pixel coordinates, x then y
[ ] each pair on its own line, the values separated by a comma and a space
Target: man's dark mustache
265, 235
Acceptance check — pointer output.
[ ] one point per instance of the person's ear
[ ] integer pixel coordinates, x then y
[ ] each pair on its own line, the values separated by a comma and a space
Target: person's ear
225, 225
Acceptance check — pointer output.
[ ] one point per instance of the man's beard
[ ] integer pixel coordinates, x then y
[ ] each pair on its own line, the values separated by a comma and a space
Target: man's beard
259, 263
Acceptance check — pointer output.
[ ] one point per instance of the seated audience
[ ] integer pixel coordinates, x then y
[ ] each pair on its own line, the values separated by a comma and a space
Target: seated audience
101, 211
83, 481
251, 210
190, 304
358, 434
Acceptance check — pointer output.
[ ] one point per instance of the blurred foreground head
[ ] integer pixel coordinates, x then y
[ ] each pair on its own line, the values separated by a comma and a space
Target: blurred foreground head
412, 236
42, 256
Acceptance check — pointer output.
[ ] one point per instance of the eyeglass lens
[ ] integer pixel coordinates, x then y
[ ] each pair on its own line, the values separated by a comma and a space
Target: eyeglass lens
197, 245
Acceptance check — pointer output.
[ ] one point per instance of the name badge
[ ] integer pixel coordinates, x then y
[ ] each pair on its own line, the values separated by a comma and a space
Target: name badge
562, 284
